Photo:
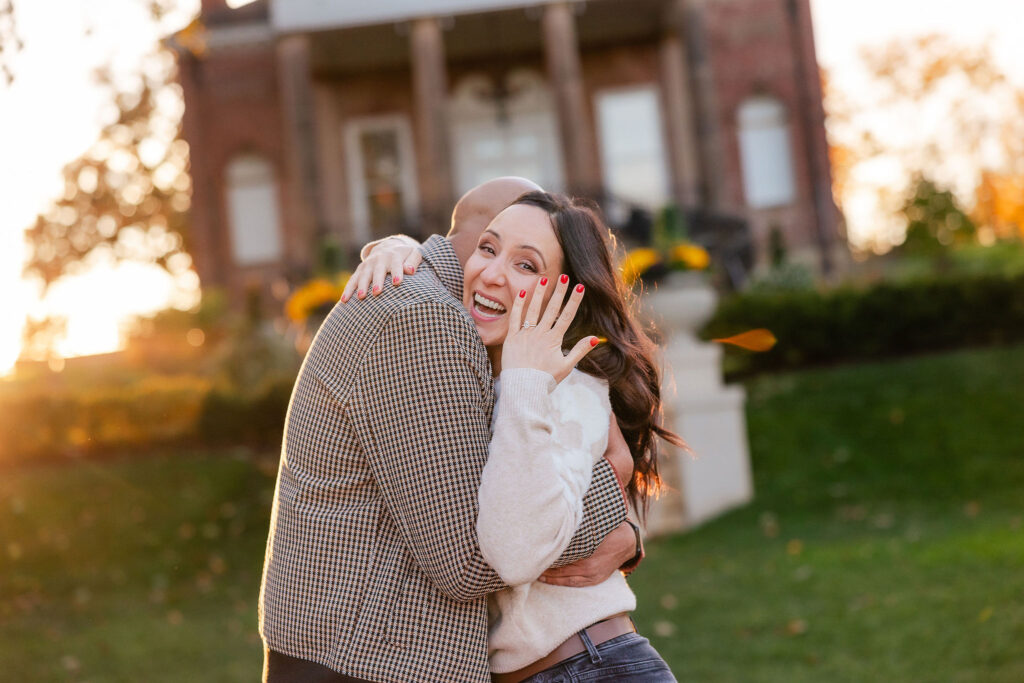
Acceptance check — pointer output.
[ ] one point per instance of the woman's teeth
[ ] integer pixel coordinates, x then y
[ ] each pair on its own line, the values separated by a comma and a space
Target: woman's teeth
489, 306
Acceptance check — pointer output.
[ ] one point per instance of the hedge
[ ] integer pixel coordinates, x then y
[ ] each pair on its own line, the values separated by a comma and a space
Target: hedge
157, 411
885, 320
75, 421
255, 418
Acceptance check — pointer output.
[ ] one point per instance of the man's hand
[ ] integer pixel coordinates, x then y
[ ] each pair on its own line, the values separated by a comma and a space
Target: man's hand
615, 550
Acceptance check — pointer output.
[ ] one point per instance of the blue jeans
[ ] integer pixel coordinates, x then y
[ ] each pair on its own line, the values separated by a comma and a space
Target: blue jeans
628, 658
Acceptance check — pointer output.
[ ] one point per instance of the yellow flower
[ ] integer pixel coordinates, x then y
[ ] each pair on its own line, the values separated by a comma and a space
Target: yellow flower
637, 262
309, 297
690, 255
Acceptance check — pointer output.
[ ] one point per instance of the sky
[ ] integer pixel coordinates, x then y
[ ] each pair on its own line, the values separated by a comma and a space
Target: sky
50, 115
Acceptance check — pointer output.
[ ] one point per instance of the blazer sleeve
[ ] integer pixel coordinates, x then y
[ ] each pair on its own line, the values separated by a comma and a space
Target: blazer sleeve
542, 452
419, 411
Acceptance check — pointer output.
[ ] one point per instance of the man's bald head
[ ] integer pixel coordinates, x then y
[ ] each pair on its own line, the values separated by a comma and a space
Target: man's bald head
478, 207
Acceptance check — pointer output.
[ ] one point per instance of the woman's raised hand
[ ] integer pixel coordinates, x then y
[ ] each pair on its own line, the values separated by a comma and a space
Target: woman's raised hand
396, 254
535, 340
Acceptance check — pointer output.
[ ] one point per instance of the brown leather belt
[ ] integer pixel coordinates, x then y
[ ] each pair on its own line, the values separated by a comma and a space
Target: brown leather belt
601, 632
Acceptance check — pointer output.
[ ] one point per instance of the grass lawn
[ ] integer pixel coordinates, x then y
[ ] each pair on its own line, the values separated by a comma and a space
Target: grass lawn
886, 543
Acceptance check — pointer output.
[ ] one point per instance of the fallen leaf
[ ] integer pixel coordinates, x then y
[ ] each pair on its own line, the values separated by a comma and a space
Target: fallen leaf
752, 340
769, 525
796, 627
664, 629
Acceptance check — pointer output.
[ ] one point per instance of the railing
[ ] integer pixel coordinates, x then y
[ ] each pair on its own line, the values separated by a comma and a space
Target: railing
727, 237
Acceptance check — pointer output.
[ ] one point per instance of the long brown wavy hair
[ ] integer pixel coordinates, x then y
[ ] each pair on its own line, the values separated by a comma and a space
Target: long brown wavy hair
627, 360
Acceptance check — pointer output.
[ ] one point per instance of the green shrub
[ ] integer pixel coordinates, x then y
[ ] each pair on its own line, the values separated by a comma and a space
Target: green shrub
255, 418
74, 420
885, 320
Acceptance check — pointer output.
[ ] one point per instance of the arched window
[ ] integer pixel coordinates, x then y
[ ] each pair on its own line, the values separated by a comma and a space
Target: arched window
766, 155
254, 216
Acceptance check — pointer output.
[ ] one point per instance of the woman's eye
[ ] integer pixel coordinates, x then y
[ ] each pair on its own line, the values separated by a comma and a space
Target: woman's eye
487, 249
527, 266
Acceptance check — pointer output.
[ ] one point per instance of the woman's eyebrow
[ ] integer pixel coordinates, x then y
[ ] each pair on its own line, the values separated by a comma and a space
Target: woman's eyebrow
543, 263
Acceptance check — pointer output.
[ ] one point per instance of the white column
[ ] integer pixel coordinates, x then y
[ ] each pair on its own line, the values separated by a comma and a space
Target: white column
574, 121
430, 88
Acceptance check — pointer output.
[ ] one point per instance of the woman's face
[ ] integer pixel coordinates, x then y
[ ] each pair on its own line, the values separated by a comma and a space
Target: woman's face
517, 249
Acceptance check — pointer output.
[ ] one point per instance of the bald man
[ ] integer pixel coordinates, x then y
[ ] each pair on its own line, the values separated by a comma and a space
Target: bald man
372, 570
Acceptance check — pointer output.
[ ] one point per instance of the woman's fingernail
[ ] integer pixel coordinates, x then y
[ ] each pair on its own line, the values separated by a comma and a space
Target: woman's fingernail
361, 293
579, 289
409, 270
543, 281
395, 280
344, 298
522, 293
563, 279
594, 341
376, 289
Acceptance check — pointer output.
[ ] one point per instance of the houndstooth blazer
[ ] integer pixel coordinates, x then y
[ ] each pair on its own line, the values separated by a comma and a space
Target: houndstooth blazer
372, 565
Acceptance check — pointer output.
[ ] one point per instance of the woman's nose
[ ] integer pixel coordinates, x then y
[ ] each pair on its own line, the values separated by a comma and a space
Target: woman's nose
494, 273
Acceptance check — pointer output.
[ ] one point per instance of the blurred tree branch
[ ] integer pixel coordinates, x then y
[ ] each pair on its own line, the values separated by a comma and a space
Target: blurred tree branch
10, 42
127, 197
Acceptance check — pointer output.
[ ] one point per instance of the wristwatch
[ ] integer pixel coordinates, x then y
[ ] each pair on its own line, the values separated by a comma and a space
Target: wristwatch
639, 555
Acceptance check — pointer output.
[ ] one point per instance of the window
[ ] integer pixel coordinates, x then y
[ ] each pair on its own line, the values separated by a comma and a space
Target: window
382, 179
766, 155
254, 217
504, 128
632, 146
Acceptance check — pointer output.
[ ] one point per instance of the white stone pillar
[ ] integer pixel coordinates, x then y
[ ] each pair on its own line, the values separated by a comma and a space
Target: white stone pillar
709, 416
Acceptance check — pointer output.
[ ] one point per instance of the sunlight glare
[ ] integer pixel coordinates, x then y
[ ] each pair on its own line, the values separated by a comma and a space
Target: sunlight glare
100, 302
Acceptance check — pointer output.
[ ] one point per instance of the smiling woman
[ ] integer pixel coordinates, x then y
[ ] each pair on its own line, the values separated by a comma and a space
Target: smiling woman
516, 249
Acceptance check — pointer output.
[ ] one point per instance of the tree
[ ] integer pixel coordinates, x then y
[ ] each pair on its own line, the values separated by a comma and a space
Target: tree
999, 204
935, 221
127, 198
934, 107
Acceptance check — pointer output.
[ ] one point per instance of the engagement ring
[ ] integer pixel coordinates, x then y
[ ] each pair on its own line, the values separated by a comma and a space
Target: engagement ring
526, 325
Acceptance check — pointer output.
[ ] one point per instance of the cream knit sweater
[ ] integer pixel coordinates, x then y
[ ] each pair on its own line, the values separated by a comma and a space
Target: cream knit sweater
546, 440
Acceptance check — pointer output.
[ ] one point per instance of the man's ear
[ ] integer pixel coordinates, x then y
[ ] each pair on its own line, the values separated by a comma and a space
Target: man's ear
462, 244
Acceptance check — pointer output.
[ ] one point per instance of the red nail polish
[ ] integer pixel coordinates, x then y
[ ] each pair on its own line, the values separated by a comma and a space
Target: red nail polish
361, 293
344, 298
594, 341
579, 289
522, 293
376, 289
543, 281
410, 270
563, 279
395, 280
